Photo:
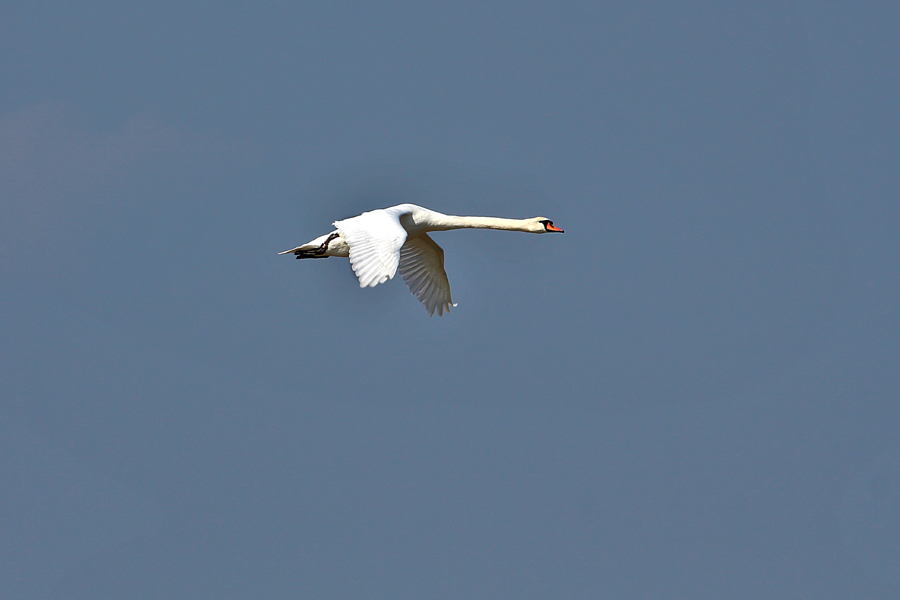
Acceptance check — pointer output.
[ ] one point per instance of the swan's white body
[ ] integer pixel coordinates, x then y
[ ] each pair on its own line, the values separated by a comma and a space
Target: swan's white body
380, 242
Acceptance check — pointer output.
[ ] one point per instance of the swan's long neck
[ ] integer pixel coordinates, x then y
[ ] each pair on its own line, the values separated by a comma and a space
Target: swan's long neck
446, 222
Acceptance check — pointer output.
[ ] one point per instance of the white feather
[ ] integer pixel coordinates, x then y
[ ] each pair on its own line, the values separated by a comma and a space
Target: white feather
375, 239
422, 268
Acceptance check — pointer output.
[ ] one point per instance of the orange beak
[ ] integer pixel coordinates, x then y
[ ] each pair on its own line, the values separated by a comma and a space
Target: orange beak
554, 228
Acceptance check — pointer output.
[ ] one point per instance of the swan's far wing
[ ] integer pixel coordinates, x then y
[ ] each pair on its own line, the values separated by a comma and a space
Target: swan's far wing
375, 239
422, 268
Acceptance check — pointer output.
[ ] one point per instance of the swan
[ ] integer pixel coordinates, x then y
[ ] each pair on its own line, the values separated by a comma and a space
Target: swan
380, 242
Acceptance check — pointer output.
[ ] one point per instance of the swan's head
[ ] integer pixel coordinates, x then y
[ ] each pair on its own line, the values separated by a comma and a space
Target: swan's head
543, 225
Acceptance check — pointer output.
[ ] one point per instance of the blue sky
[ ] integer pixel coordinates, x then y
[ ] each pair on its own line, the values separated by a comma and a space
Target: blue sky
692, 393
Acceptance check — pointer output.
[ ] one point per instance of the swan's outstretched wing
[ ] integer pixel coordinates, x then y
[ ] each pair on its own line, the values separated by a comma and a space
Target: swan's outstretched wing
422, 268
375, 239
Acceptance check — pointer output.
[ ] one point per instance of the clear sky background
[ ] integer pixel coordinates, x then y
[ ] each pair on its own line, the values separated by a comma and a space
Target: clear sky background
693, 393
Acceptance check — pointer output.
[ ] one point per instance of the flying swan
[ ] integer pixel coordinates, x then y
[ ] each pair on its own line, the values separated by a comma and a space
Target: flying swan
379, 242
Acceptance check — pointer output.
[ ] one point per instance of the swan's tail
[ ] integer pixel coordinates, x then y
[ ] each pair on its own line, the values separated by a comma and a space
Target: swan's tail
305, 251
318, 248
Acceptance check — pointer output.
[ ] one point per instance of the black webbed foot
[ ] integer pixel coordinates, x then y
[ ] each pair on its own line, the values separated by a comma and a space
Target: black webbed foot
317, 252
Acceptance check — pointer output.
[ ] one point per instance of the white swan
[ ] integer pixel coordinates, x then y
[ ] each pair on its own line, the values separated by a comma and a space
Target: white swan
381, 241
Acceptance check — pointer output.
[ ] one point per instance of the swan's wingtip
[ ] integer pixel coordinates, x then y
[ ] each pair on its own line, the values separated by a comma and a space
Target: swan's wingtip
440, 310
